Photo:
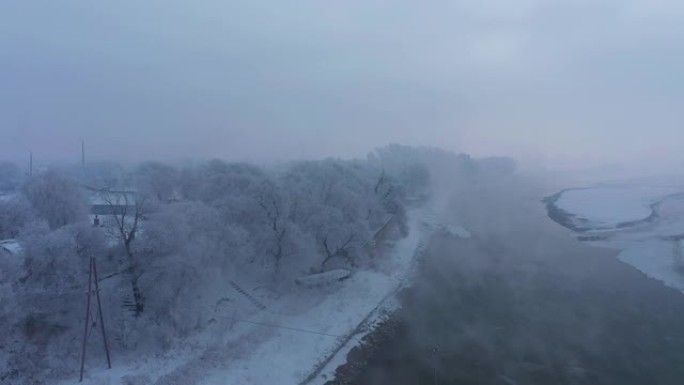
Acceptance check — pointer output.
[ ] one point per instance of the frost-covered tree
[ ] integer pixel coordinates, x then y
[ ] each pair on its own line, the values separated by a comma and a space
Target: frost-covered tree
250, 197
45, 308
14, 214
56, 198
189, 251
339, 237
127, 211
408, 166
90, 241
275, 233
157, 180
332, 202
417, 168
220, 180
196, 231
57, 260
189, 182
416, 178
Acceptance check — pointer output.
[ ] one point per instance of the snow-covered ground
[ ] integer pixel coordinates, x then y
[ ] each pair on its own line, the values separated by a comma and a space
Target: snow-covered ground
287, 342
611, 206
7, 196
653, 247
655, 258
11, 245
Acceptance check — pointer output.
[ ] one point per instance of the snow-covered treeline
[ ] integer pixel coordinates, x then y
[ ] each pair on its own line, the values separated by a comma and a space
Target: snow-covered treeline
170, 239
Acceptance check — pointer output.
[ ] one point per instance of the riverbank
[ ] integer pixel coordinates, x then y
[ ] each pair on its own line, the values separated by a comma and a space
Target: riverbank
607, 208
523, 302
650, 230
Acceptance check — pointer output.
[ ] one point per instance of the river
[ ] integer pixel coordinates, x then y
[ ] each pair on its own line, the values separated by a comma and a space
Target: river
523, 302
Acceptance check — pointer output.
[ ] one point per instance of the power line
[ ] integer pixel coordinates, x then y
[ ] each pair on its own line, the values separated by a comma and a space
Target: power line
297, 330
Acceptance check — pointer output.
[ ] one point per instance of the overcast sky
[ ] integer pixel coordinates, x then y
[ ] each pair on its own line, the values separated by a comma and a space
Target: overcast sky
590, 81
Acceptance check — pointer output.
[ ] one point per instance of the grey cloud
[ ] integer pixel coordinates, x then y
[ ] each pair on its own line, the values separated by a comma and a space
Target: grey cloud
267, 80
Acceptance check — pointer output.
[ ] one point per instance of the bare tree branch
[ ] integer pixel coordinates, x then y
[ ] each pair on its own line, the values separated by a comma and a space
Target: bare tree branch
120, 214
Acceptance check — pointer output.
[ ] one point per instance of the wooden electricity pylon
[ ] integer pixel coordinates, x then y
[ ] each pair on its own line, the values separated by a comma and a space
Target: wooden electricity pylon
92, 277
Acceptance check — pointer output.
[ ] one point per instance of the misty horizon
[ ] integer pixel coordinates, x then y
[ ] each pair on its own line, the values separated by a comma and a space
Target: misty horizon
560, 84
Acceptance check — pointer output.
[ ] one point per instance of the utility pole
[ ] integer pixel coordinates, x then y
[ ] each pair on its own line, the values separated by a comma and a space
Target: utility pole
92, 278
83, 153
30, 164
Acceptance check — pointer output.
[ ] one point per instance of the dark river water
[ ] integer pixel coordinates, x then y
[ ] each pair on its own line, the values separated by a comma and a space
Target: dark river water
523, 302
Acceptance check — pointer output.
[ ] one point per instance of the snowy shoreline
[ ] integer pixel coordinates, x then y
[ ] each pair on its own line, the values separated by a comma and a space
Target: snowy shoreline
581, 222
645, 223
